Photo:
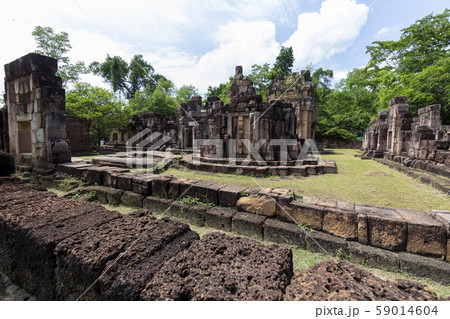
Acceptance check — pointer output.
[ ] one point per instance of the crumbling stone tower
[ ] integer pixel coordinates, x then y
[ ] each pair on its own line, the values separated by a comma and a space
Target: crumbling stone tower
301, 92
35, 101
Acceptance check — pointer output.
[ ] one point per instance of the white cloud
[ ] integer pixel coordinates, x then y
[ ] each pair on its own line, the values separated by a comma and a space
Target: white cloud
385, 31
241, 43
190, 42
331, 30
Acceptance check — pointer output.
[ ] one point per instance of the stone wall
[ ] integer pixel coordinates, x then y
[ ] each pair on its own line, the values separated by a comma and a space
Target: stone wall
35, 101
78, 133
421, 142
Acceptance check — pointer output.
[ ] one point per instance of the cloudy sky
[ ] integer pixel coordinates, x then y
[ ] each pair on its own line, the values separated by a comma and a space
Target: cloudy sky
200, 42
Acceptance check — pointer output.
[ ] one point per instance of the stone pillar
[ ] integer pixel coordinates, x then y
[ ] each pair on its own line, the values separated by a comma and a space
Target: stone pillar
35, 101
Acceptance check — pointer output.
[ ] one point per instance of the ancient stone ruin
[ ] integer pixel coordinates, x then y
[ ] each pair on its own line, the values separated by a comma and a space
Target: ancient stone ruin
244, 123
276, 129
420, 142
166, 125
35, 101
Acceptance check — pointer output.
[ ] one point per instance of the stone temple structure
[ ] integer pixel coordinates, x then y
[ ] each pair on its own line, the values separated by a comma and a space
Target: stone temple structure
289, 115
420, 142
247, 121
35, 102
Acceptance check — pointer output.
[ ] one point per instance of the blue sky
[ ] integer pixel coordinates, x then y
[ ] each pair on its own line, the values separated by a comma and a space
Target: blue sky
200, 42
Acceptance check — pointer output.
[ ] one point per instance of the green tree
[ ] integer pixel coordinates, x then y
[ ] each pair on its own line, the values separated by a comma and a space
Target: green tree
101, 106
127, 78
415, 66
421, 45
160, 101
57, 45
221, 90
284, 61
261, 79
185, 93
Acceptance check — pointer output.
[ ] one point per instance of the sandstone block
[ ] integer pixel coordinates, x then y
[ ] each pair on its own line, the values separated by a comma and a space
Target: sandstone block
248, 224
426, 235
303, 214
340, 223
386, 228
257, 204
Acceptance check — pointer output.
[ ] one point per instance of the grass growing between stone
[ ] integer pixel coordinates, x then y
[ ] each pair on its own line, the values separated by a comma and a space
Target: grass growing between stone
359, 181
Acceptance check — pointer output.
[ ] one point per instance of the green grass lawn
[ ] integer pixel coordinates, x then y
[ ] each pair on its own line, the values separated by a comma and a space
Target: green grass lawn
358, 181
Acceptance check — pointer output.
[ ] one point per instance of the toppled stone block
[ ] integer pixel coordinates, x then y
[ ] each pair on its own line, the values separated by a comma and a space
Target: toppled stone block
332, 280
222, 267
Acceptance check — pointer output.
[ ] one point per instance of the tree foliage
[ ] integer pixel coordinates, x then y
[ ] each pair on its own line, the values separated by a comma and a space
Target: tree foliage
284, 61
185, 93
101, 106
160, 101
221, 90
57, 45
127, 78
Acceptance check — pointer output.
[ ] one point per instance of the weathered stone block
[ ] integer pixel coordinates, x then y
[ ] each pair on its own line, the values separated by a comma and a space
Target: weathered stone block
373, 257
345, 205
160, 186
125, 181
284, 233
303, 214
219, 218
177, 187
363, 233
142, 184
436, 269
386, 228
340, 223
323, 243
208, 271
192, 214
257, 204
156, 204
132, 199
229, 195
114, 196
248, 224
426, 235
